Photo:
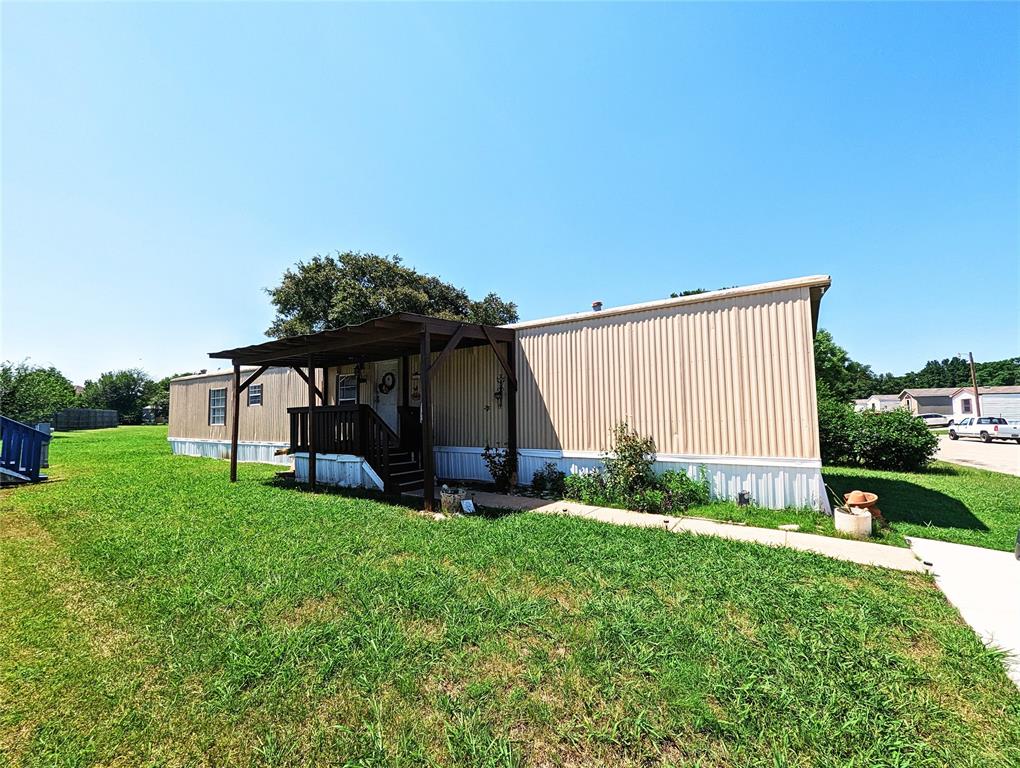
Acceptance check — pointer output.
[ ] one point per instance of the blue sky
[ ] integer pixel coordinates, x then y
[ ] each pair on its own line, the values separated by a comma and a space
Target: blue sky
162, 164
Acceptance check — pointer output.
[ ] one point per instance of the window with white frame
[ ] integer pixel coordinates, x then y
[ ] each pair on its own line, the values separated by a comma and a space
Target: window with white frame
218, 406
346, 388
965, 404
254, 394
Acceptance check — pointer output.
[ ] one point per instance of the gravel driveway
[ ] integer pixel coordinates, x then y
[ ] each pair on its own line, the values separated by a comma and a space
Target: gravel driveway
998, 455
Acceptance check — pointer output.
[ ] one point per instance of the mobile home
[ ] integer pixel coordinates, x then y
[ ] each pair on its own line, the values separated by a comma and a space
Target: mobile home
721, 380
1001, 401
932, 400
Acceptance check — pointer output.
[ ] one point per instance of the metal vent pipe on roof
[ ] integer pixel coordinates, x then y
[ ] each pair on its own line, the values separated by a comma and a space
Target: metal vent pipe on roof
596, 306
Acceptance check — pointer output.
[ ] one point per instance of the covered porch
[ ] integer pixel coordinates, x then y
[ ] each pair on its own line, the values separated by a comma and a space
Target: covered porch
392, 431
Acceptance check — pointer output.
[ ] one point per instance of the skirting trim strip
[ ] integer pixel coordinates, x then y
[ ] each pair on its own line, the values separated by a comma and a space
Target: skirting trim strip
261, 453
772, 482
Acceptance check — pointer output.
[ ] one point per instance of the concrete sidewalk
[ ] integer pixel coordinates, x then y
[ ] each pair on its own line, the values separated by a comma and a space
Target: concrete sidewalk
984, 585
863, 552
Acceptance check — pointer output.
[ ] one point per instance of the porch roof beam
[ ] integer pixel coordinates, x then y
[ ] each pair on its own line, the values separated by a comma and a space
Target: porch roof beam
448, 349
308, 381
250, 379
501, 356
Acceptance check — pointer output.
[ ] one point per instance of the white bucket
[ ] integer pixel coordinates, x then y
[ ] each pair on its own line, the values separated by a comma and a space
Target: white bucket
856, 522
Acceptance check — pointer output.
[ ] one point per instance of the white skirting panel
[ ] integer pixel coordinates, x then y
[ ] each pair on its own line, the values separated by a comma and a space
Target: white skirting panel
773, 482
263, 453
339, 469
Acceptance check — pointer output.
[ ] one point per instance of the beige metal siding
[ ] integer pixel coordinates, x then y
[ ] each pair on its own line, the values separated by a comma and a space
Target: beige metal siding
733, 377
282, 388
465, 411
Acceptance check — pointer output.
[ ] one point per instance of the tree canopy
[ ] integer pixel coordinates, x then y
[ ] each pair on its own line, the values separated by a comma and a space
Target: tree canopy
31, 394
126, 392
349, 288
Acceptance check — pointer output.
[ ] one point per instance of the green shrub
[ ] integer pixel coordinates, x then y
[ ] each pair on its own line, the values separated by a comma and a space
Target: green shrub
681, 491
836, 428
629, 467
895, 440
501, 465
651, 500
548, 482
587, 486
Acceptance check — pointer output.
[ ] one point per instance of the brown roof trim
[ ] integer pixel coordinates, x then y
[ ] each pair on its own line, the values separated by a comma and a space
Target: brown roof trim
381, 338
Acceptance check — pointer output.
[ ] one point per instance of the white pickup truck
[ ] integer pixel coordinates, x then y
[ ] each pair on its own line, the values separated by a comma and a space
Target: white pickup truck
986, 428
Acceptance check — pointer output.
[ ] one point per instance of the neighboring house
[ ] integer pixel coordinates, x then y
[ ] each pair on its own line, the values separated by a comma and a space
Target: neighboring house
934, 400
861, 404
882, 403
722, 380
995, 401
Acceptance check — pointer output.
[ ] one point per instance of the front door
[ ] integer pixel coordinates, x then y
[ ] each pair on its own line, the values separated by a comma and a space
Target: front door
387, 392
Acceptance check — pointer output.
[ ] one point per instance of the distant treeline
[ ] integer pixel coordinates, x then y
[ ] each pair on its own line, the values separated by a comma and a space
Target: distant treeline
31, 393
845, 379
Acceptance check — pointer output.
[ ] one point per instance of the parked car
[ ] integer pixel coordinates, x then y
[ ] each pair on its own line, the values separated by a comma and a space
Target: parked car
987, 428
934, 419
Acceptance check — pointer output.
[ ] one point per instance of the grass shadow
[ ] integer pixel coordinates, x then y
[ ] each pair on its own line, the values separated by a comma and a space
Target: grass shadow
321, 489
906, 502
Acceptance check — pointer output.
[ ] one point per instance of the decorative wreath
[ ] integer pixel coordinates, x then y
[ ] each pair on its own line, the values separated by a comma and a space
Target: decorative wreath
389, 381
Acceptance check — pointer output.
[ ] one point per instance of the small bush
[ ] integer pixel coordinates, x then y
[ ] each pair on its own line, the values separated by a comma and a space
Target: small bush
650, 500
629, 467
587, 486
548, 482
681, 491
836, 424
895, 440
501, 465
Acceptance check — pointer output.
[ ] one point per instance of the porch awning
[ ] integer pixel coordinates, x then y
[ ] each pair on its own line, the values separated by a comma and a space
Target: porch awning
384, 338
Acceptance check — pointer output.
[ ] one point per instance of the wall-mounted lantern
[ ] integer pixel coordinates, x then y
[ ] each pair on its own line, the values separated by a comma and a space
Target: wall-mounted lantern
498, 394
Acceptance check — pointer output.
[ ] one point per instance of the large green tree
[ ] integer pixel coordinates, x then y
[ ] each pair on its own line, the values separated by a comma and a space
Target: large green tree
349, 288
32, 394
836, 374
126, 392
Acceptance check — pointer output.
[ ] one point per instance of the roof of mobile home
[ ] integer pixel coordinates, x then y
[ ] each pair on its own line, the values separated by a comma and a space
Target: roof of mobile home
1002, 390
818, 284
930, 392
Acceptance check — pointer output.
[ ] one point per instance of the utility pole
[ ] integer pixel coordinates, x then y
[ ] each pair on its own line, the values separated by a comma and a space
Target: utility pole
973, 383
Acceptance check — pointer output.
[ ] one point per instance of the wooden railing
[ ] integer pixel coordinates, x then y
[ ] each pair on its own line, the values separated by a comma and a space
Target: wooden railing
352, 429
21, 448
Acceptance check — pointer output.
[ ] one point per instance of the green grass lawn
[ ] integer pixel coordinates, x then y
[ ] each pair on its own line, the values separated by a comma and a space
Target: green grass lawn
151, 613
948, 502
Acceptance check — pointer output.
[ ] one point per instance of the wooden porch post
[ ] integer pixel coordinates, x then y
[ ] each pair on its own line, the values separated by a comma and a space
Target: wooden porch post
235, 416
511, 408
405, 381
325, 385
311, 425
427, 459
